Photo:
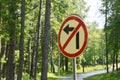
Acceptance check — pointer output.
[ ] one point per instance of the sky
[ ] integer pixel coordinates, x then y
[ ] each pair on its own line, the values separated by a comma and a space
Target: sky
94, 13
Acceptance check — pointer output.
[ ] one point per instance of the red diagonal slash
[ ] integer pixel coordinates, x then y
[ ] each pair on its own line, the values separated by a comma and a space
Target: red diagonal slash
71, 36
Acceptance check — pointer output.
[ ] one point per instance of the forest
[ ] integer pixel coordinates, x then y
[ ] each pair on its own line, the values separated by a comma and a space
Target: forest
29, 31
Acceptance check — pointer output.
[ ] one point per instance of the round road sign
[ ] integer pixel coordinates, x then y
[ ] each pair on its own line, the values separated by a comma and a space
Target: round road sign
72, 36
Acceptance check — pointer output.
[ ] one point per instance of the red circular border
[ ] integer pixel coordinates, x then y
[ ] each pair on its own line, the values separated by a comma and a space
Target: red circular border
77, 18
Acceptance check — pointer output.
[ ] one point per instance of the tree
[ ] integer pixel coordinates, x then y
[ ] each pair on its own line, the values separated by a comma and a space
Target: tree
106, 35
11, 32
66, 64
112, 18
37, 38
52, 43
0, 38
21, 44
45, 41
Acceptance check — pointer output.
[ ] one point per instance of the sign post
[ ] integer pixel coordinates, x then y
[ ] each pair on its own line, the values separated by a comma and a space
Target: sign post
74, 69
72, 38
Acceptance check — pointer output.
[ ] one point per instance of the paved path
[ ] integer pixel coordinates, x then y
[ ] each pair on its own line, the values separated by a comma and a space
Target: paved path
83, 75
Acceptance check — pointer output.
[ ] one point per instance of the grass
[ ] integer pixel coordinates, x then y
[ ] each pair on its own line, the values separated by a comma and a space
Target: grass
110, 76
52, 76
91, 68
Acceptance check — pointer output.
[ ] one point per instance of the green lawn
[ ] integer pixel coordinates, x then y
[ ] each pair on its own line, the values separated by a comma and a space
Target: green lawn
55, 76
91, 68
110, 76
52, 76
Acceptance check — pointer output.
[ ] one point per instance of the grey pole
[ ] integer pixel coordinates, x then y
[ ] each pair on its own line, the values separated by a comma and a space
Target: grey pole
74, 69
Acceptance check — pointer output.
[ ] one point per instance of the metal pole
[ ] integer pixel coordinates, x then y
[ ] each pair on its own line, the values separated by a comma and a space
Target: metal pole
74, 69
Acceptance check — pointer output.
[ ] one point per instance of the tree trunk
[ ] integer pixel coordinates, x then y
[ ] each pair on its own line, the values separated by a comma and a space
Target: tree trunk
66, 64
51, 50
117, 61
5, 48
58, 62
21, 45
0, 59
29, 55
52, 63
11, 30
114, 60
46, 42
32, 63
106, 36
117, 33
62, 62
0, 40
0, 70
117, 43
11, 63
114, 51
37, 38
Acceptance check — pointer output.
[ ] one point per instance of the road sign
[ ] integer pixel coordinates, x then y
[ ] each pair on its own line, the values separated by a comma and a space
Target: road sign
72, 36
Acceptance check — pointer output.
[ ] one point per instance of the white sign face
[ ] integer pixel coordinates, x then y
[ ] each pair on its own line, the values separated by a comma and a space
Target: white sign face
72, 37
74, 44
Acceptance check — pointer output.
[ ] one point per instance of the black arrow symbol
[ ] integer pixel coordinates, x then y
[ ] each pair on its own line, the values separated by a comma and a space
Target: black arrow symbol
77, 40
67, 29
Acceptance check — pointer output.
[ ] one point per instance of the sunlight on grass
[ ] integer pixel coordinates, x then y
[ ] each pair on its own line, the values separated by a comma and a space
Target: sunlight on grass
52, 76
91, 68
26, 76
110, 76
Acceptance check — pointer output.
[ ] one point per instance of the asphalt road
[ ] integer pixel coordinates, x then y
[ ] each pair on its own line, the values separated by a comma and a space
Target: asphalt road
83, 75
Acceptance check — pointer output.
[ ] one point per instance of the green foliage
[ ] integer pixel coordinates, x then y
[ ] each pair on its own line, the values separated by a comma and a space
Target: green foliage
26, 76
96, 46
3, 59
109, 76
112, 10
16, 55
59, 11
